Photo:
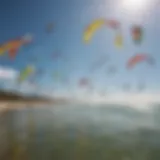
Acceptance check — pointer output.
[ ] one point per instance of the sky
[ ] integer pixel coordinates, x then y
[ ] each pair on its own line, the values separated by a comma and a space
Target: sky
69, 19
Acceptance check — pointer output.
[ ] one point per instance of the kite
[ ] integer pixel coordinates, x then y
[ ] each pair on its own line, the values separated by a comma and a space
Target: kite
56, 75
84, 82
40, 72
99, 63
37, 73
126, 87
137, 34
111, 70
137, 59
32, 82
103, 93
61, 78
141, 86
49, 27
56, 56
13, 46
29, 70
97, 24
92, 28
113, 24
119, 40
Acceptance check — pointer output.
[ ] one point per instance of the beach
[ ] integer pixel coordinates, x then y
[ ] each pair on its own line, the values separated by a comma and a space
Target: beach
13, 105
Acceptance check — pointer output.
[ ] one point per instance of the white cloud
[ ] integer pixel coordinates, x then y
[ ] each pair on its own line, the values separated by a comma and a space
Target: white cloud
23, 88
8, 73
8, 78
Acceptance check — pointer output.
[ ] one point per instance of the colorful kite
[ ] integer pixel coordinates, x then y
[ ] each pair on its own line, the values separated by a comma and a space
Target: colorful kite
137, 59
118, 40
92, 28
56, 75
111, 70
84, 82
113, 24
126, 87
97, 24
40, 72
99, 63
56, 56
137, 34
103, 93
28, 71
49, 27
141, 86
13, 46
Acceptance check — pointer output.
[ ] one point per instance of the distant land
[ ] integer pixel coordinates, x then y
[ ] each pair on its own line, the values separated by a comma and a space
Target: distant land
12, 100
12, 96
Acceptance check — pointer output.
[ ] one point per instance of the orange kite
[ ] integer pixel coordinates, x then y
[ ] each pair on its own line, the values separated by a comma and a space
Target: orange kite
13, 46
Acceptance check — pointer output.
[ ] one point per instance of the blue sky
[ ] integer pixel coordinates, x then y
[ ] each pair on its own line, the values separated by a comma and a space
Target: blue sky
70, 19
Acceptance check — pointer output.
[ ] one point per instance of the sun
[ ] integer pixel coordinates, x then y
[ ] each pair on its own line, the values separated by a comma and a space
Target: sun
135, 5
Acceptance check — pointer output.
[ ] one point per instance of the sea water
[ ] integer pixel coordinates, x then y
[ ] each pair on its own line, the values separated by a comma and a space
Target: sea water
73, 131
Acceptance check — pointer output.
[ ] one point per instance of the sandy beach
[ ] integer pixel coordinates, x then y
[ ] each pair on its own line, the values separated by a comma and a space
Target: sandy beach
11, 105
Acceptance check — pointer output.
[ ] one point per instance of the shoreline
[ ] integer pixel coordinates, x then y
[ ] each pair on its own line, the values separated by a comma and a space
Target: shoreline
12, 105
22, 104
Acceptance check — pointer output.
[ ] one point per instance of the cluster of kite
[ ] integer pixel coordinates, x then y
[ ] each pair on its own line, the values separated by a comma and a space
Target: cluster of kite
11, 48
136, 35
136, 31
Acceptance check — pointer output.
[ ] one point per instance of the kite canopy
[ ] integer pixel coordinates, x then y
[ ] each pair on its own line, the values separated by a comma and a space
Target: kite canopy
113, 24
141, 86
92, 28
111, 70
11, 47
84, 82
56, 75
137, 59
99, 63
97, 24
49, 27
126, 87
137, 34
29, 70
118, 40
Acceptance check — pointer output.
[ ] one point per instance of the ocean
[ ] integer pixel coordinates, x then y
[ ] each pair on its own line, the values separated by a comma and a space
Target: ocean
82, 132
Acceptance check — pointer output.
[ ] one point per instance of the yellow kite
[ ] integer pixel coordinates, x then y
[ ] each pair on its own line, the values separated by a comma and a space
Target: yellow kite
119, 40
90, 30
95, 25
25, 73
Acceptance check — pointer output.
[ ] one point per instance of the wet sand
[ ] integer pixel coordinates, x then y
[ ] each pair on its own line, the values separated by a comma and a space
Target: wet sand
11, 105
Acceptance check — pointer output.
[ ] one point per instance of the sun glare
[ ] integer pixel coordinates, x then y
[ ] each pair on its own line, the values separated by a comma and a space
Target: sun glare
135, 5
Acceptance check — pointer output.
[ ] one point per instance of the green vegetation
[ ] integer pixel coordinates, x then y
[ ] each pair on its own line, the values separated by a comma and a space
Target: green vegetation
12, 96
